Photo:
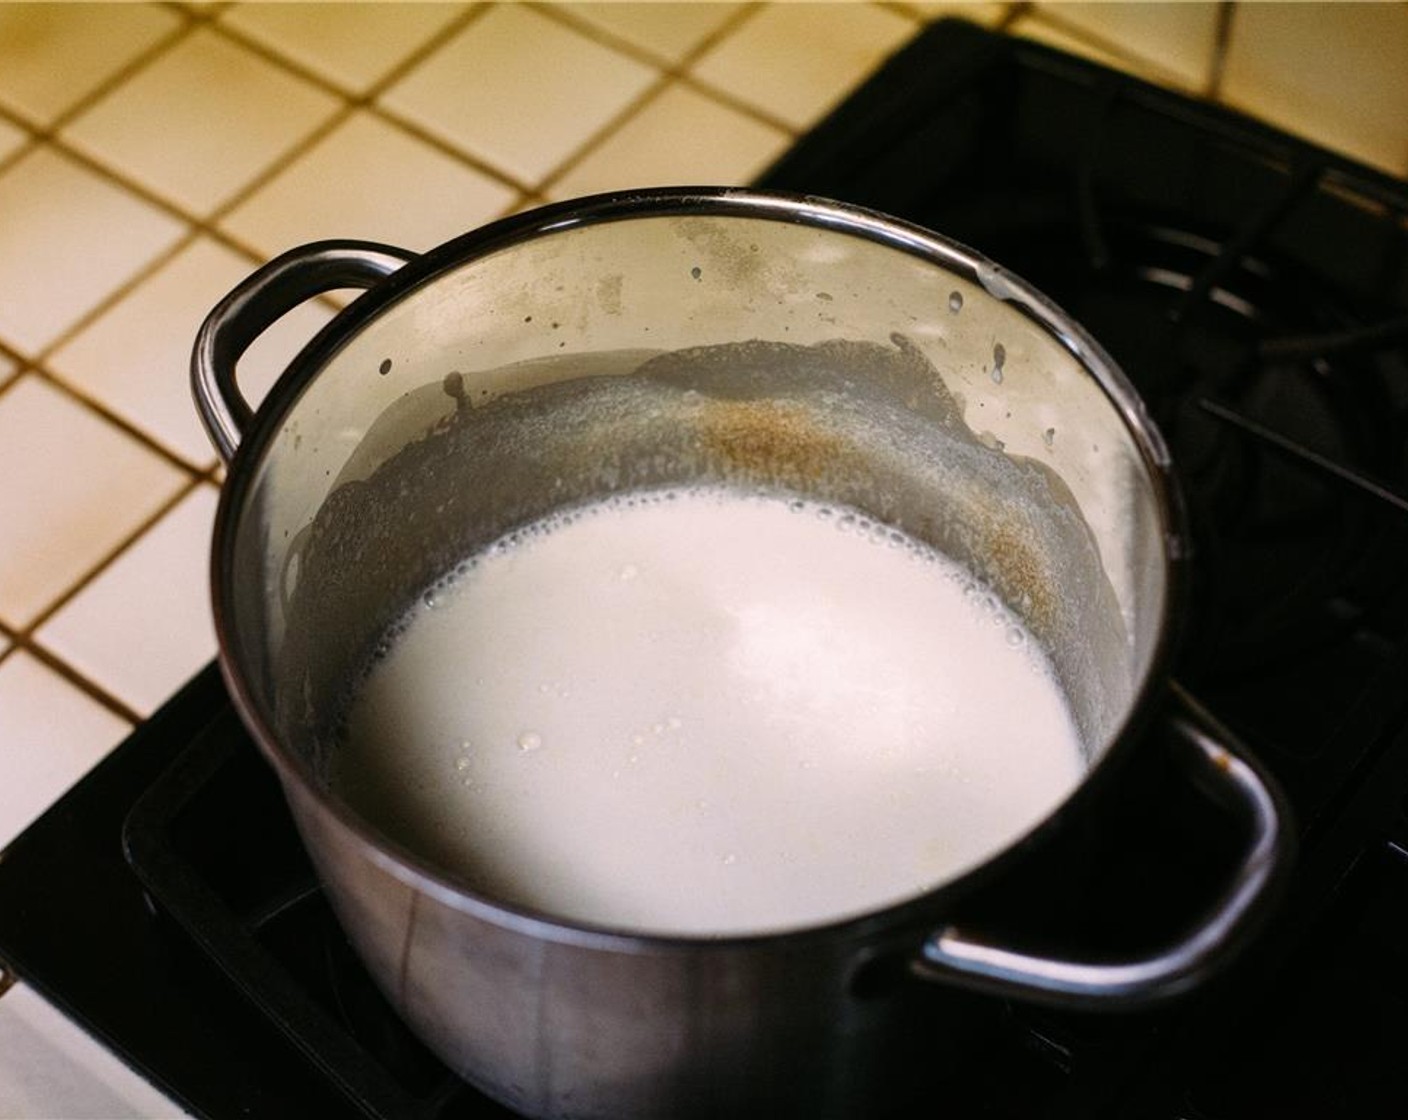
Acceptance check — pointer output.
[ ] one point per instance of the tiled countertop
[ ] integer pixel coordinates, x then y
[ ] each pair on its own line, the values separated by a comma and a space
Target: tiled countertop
152, 155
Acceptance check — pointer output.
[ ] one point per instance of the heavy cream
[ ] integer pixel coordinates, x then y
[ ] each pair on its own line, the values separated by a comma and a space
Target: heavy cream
708, 713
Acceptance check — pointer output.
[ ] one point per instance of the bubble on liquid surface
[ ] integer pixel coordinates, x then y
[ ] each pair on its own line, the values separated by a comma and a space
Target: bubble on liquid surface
530, 741
955, 302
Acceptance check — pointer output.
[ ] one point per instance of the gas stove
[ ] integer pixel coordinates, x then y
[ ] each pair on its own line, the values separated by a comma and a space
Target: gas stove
1255, 289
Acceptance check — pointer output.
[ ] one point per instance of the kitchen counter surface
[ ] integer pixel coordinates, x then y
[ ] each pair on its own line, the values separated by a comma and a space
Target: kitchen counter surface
151, 155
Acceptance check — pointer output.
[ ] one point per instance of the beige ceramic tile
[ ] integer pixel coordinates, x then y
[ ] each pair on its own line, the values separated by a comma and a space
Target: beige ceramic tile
1336, 73
51, 734
371, 180
670, 31
974, 11
163, 576
74, 488
681, 137
1178, 39
67, 239
12, 139
1040, 31
202, 121
135, 357
49, 1066
796, 61
519, 90
56, 54
352, 45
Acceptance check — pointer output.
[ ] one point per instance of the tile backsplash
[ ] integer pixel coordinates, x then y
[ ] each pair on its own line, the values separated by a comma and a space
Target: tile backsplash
153, 154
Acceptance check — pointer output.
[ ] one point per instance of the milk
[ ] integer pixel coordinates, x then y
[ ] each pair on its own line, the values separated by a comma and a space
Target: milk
708, 713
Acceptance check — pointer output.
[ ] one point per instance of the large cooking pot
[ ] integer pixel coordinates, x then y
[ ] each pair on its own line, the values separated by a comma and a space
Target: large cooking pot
939, 394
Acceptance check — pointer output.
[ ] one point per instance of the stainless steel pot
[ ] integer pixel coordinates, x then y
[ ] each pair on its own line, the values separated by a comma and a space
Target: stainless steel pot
938, 392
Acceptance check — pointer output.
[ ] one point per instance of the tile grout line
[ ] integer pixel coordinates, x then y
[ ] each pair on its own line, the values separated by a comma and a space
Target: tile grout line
1141, 67
19, 375
38, 137
1013, 14
25, 638
366, 101
38, 364
140, 529
26, 635
678, 71
565, 17
529, 192
207, 224
737, 104
43, 136
431, 139
145, 58
591, 143
281, 163
272, 54
30, 143
89, 402
670, 73
1222, 44
74, 677
195, 231
7, 351
94, 404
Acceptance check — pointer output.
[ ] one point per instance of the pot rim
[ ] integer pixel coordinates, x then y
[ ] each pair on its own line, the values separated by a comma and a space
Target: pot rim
840, 217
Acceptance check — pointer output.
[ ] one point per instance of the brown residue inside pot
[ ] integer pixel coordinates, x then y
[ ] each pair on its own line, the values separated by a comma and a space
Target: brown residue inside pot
773, 440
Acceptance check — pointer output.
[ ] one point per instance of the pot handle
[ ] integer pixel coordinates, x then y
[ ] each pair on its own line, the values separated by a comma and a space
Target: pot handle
956, 956
265, 296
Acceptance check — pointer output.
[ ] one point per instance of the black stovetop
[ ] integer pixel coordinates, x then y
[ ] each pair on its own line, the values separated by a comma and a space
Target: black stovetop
1256, 291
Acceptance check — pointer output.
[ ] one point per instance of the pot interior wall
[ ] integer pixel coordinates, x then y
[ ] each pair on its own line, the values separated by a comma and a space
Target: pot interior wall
669, 351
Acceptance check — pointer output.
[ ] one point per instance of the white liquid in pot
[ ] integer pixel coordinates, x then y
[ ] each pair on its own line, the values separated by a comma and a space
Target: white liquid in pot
709, 714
